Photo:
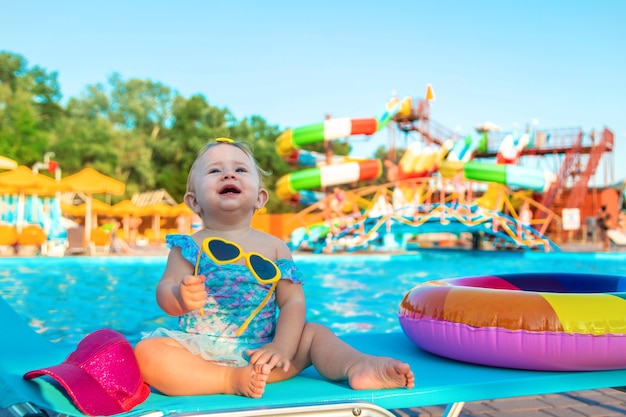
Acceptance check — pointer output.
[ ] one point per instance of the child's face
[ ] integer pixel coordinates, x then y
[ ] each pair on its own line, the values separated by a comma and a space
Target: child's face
227, 179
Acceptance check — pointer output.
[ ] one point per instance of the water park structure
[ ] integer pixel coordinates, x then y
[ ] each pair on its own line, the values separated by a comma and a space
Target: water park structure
523, 190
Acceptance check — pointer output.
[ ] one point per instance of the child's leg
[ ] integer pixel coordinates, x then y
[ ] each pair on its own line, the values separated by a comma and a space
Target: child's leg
336, 360
173, 370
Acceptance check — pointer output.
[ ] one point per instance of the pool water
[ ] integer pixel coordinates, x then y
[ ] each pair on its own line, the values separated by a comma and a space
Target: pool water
67, 298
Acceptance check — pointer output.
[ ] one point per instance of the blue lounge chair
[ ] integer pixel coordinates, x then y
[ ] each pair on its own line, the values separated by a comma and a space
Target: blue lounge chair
438, 381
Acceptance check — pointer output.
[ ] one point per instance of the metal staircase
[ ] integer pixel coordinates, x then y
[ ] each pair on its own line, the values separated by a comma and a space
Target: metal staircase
419, 121
579, 190
567, 167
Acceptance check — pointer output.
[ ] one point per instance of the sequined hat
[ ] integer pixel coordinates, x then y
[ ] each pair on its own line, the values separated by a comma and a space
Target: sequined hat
101, 376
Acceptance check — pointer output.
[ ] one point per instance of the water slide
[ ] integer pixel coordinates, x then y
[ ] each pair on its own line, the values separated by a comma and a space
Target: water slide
489, 199
511, 149
504, 171
452, 156
288, 186
421, 161
342, 170
515, 176
510, 175
463, 150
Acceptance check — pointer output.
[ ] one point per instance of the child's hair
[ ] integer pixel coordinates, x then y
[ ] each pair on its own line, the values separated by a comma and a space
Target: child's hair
241, 145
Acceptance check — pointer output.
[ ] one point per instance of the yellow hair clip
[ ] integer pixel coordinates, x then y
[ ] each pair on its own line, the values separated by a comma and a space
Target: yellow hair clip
225, 140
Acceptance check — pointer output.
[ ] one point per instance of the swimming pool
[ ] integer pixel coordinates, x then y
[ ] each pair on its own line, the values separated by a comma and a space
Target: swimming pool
66, 298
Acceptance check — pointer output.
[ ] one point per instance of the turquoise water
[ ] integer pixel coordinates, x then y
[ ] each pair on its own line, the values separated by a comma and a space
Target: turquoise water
66, 298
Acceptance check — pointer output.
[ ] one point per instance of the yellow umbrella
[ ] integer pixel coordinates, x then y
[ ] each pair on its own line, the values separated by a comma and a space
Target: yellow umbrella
70, 209
184, 216
181, 209
7, 163
125, 209
160, 208
90, 181
80, 210
157, 210
23, 181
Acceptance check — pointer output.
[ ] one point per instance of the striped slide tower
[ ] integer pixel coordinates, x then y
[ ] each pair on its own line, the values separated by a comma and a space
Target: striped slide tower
289, 143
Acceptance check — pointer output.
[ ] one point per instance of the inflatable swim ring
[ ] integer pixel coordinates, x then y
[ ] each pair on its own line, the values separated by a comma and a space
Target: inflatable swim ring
540, 321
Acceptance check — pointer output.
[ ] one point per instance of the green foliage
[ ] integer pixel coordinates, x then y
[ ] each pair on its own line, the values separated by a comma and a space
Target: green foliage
28, 107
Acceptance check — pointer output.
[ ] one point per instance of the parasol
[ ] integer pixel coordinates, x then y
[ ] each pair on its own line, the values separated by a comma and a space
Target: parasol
23, 181
125, 209
89, 181
158, 210
7, 163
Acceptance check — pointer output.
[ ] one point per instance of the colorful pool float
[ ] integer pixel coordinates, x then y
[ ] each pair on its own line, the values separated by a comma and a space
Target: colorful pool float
540, 321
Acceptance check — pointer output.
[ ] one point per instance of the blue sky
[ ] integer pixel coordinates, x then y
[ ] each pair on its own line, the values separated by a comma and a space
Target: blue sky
560, 63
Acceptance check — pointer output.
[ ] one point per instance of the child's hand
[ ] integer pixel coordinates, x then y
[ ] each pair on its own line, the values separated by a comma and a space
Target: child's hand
193, 292
271, 355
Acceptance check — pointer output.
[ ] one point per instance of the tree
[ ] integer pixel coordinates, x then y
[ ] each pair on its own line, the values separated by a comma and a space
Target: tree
29, 108
194, 123
85, 136
114, 128
47, 96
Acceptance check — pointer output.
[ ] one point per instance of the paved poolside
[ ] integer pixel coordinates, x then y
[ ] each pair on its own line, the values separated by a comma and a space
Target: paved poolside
589, 403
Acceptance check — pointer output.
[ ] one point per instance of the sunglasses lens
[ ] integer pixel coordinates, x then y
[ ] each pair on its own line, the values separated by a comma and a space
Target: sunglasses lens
263, 268
223, 251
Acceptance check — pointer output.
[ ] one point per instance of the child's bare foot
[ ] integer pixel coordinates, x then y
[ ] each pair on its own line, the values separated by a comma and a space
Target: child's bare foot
248, 381
381, 372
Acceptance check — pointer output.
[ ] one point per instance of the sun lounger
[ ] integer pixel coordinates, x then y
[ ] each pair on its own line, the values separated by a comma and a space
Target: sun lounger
30, 240
8, 239
76, 241
100, 242
8, 235
438, 381
617, 237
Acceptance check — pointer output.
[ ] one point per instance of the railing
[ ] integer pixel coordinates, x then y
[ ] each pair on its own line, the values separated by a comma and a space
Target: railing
579, 190
572, 157
430, 129
359, 204
545, 140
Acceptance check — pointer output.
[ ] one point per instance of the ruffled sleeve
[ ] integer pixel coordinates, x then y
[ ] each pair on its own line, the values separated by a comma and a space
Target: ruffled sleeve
189, 248
289, 270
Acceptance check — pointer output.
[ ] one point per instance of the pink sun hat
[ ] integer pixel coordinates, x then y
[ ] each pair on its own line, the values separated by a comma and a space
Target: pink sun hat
101, 376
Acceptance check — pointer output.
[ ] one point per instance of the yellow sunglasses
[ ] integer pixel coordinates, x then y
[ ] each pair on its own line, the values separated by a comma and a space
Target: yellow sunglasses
264, 270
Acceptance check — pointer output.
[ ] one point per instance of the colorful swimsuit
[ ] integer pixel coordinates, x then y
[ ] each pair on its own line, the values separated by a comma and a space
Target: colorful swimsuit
232, 295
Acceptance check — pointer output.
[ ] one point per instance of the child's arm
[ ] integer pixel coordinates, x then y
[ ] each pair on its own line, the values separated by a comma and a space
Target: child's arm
179, 292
